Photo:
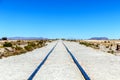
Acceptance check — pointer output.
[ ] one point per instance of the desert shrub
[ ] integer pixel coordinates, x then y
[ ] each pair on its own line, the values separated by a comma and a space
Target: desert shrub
18, 48
107, 46
96, 46
18, 42
6, 54
19, 52
88, 44
28, 48
23, 51
0, 55
7, 44
111, 51
41, 43
117, 48
33, 44
111, 45
105, 41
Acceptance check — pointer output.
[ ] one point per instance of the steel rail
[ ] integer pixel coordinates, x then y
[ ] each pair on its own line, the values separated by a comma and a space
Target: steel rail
40, 65
77, 64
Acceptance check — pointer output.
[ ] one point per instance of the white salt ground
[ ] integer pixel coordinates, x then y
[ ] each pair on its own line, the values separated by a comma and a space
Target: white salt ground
99, 65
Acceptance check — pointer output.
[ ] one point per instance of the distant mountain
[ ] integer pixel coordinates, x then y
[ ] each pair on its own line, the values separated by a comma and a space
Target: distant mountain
99, 38
26, 38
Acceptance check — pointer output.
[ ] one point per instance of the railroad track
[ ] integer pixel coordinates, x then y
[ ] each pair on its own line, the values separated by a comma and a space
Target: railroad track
40, 65
84, 74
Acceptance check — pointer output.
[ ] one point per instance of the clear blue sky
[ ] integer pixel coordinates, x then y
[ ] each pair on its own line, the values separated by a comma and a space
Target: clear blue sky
60, 18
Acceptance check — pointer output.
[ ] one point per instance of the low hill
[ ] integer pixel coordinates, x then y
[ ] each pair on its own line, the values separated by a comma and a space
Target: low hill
99, 38
26, 38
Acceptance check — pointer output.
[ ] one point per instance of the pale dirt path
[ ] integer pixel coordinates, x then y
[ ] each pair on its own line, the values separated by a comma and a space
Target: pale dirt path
99, 65
21, 67
59, 66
